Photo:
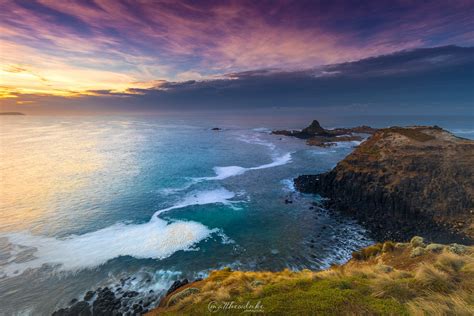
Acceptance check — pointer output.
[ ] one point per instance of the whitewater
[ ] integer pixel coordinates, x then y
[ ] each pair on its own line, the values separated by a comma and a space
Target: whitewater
156, 239
90, 201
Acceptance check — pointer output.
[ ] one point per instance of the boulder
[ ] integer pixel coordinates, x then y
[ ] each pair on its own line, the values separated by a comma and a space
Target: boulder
176, 285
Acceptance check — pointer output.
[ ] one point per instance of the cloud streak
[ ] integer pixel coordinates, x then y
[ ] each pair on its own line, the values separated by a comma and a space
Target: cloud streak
69, 47
407, 81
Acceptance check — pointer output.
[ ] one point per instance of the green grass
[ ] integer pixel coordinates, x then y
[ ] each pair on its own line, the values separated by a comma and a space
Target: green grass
323, 297
328, 297
382, 279
411, 133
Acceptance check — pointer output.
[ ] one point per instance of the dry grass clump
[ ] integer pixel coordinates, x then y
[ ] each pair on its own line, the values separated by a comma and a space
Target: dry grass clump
401, 289
385, 281
438, 305
374, 250
417, 251
433, 279
367, 252
388, 246
452, 263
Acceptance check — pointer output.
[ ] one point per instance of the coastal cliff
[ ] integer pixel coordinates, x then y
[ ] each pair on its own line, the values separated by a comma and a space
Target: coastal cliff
402, 182
412, 278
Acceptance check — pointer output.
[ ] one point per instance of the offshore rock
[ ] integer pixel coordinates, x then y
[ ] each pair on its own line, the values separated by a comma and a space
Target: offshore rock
316, 135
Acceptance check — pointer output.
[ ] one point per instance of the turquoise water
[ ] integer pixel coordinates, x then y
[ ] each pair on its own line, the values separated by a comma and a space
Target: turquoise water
87, 201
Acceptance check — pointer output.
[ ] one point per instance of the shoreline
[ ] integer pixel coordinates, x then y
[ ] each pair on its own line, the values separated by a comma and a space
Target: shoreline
107, 300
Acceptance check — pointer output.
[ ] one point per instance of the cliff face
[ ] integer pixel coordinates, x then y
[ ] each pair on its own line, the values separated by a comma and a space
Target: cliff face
405, 181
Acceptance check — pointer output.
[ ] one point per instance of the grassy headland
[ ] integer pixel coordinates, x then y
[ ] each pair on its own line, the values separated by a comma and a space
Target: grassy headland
383, 279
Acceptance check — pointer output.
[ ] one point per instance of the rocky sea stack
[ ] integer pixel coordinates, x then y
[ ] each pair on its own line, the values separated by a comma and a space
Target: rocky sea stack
404, 181
316, 135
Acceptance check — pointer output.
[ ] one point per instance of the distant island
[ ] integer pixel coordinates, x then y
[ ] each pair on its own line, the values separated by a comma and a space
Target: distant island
315, 135
11, 113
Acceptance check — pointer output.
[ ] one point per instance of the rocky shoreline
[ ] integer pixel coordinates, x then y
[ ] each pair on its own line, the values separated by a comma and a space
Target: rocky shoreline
403, 182
315, 135
113, 300
398, 183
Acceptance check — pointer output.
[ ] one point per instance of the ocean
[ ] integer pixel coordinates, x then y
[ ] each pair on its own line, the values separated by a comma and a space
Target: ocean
137, 202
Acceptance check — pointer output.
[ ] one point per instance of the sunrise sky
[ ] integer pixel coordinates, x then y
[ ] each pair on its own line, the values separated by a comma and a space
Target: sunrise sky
145, 56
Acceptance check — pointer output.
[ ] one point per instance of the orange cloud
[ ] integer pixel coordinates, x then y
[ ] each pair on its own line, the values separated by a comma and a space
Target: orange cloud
70, 47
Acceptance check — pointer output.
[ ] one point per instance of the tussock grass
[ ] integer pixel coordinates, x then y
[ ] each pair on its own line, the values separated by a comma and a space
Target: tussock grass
438, 305
381, 280
368, 252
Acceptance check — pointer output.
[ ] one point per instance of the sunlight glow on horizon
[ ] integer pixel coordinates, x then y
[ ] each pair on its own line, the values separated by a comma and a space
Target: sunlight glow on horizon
98, 48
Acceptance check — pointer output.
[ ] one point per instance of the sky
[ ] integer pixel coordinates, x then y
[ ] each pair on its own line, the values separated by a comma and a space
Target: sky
113, 56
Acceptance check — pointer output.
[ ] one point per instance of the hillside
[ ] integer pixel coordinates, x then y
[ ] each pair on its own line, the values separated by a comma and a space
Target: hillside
383, 279
403, 182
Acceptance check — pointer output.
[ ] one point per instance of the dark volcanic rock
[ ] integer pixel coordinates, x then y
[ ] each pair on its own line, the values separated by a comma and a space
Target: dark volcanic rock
89, 295
112, 301
106, 303
315, 135
176, 285
403, 182
215, 129
314, 129
78, 309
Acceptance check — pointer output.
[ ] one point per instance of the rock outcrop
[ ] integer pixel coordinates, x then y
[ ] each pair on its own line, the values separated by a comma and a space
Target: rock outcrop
113, 301
403, 182
316, 135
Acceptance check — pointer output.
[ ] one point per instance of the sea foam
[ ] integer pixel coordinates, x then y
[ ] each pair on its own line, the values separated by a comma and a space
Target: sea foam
288, 185
225, 172
221, 196
156, 239
232, 171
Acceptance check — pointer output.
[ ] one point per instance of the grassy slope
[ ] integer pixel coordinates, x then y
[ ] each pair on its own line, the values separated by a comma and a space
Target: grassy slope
380, 280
